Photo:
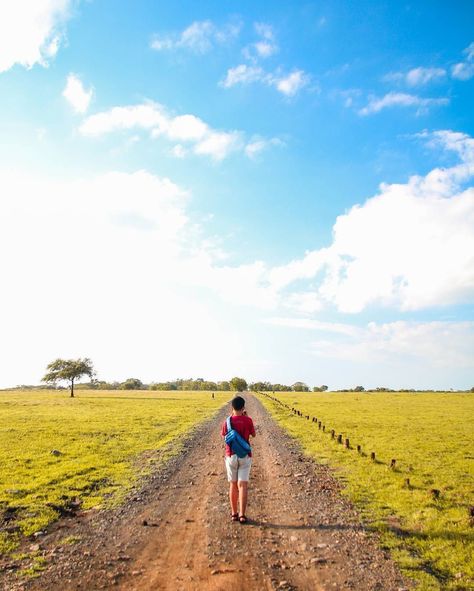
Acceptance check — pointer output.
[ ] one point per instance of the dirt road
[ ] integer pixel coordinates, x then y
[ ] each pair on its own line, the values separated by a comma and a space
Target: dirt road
176, 533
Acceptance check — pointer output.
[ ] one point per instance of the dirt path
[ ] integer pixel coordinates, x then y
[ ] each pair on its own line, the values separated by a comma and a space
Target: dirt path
176, 533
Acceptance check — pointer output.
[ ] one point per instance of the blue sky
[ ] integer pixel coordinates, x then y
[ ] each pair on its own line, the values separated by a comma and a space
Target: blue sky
277, 190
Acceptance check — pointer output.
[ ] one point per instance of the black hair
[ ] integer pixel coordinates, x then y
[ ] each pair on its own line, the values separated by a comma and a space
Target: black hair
238, 403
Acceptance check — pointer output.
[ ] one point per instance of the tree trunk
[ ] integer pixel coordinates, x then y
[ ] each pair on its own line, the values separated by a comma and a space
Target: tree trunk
72, 388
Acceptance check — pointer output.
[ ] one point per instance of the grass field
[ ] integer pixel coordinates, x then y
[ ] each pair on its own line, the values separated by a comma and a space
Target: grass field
106, 440
431, 436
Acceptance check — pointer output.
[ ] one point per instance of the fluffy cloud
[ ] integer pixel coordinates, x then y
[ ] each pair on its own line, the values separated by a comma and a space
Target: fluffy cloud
439, 344
31, 32
291, 84
115, 256
465, 70
154, 118
199, 37
409, 247
76, 95
400, 99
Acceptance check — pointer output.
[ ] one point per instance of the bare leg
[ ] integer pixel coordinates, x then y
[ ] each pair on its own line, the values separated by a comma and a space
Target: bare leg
233, 496
243, 488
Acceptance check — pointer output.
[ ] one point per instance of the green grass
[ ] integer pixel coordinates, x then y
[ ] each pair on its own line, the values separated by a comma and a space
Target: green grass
107, 440
431, 436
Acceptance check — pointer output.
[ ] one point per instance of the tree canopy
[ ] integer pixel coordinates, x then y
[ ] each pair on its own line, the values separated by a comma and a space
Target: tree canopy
68, 370
238, 384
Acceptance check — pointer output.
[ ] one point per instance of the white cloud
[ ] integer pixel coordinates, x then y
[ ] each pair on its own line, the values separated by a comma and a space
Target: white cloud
465, 70
115, 256
469, 52
243, 74
154, 118
265, 46
400, 99
187, 128
417, 76
290, 85
258, 145
199, 37
31, 32
218, 144
287, 84
438, 344
149, 116
408, 247
76, 95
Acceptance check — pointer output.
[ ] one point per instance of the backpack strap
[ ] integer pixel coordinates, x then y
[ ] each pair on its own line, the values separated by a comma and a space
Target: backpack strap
229, 425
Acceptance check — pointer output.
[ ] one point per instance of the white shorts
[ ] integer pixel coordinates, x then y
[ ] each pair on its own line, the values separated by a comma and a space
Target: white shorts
238, 468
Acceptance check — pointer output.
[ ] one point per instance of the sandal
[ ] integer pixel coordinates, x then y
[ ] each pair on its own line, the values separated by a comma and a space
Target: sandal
243, 519
234, 517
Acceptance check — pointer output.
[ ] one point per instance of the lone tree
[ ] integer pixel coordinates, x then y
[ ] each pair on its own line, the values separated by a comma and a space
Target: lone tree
68, 370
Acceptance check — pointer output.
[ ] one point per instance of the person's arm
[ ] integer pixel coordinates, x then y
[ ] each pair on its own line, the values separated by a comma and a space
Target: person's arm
252, 432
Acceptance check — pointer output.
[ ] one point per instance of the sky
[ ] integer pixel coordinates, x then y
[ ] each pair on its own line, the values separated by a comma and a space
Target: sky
280, 191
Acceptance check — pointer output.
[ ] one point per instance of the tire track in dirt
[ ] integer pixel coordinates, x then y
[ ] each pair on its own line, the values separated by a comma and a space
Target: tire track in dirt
302, 533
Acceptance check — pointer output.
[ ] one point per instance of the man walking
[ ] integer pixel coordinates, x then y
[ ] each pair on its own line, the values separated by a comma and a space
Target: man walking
238, 469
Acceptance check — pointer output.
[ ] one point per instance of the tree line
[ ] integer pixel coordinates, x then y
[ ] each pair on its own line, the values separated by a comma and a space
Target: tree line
69, 371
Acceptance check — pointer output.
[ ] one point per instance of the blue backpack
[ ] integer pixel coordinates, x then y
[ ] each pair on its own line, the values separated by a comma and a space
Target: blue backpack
237, 443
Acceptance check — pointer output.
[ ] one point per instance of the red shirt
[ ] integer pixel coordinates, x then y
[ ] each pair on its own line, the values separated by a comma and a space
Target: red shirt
243, 425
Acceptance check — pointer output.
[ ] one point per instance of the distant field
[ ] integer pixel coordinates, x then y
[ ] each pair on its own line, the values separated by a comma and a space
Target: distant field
431, 436
106, 441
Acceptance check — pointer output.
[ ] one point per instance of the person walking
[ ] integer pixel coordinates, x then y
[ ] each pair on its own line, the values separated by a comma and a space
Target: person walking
238, 468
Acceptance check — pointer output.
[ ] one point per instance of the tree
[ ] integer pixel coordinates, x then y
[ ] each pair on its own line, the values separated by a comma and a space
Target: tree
300, 387
322, 388
132, 384
68, 370
238, 384
359, 389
